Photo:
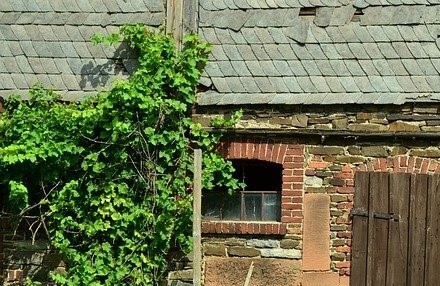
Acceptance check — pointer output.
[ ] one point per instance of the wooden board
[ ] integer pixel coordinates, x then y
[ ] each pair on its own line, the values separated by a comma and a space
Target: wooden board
398, 230
432, 271
417, 227
377, 230
360, 231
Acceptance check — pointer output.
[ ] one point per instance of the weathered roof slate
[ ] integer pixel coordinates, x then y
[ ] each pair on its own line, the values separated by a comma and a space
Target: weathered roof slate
49, 41
364, 52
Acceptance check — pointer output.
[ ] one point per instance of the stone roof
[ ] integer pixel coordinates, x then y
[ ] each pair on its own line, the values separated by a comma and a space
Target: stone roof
321, 51
49, 42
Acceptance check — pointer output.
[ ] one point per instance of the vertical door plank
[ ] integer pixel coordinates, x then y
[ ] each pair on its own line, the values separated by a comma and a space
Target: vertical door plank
398, 230
432, 271
360, 231
417, 230
378, 230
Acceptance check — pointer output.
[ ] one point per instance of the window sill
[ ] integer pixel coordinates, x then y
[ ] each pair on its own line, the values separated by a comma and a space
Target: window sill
243, 227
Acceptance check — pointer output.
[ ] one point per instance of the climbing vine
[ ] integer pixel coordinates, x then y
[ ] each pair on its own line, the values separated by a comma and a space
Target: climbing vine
109, 179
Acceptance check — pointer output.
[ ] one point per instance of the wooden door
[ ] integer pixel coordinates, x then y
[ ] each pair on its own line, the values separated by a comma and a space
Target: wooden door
396, 230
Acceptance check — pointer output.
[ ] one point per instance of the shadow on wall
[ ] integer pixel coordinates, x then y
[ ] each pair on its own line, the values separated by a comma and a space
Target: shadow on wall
98, 72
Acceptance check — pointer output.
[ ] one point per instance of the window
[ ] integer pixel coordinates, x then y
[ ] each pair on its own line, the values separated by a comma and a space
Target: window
260, 200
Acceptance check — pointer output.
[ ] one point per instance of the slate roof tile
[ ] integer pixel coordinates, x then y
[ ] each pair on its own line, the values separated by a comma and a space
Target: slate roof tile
15, 48
264, 84
283, 68
320, 83
297, 68
311, 67
306, 84
286, 52
358, 51
412, 66
363, 84
382, 67
354, 68
273, 52
237, 37
406, 83
378, 83
246, 52
241, 68
255, 68
260, 52
278, 84
250, 85
387, 50
292, 84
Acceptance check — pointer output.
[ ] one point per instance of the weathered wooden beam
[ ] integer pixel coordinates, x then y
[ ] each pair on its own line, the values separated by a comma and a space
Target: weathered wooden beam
197, 218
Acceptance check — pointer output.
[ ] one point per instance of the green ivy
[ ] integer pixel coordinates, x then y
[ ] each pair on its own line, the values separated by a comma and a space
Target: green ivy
111, 176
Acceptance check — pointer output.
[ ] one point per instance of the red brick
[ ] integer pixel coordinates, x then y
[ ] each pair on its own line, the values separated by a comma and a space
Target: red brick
343, 264
287, 206
347, 169
344, 249
282, 153
424, 167
403, 161
344, 175
345, 190
316, 232
319, 165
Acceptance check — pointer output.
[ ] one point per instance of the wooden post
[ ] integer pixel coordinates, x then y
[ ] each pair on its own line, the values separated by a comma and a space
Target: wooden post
197, 218
174, 21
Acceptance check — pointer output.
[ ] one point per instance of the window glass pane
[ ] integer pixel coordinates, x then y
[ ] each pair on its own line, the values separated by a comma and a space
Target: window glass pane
252, 206
231, 207
271, 207
212, 205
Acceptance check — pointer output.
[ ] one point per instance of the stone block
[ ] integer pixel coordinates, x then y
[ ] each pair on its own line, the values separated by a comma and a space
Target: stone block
267, 271
263, 243
289, 243
316, 236
374, 151
367, 127
281, 253
243, 251
400, 126
326, 150
320, 279
214, 250
428, 152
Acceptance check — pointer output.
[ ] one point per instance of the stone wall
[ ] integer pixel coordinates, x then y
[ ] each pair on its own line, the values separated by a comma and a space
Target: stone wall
348, 118
386, 139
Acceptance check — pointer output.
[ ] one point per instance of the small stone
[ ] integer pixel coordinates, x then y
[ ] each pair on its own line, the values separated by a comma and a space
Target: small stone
354, 150
372, 127
338, 198
281, 253
399, 150
243, 251
313, 182
338, 256
374, 151
429, 152
340, 124
349, 159
300, 120
400, 126
263, 243
337, 182
326, 150
289, 243
215, 250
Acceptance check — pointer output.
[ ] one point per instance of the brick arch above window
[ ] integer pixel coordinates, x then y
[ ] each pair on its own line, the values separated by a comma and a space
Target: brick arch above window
401, 164
260, 150
291, 157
